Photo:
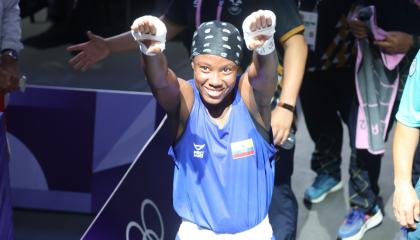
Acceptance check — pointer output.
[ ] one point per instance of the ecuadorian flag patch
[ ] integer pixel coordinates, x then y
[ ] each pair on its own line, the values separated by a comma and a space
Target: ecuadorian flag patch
242, 148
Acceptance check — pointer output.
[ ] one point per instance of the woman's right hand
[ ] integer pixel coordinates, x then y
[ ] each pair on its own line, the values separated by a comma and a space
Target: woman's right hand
151, 32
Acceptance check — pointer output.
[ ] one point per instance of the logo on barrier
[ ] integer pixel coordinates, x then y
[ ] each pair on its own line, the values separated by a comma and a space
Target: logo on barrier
147, 233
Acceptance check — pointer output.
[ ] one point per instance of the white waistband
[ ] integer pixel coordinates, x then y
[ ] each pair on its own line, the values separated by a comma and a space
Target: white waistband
190, 231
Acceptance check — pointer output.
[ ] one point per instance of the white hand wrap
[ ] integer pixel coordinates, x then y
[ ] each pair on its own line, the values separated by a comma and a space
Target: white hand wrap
268, 46
160, 36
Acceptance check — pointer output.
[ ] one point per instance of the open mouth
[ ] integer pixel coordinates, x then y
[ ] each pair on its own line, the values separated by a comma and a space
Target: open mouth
214, 93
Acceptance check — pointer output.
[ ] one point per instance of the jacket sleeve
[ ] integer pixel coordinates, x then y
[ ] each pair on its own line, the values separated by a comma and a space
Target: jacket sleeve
10, 28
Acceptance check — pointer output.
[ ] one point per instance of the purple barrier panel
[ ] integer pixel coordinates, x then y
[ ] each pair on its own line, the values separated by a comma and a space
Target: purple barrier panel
141, 205
123, 124
70, 147
6, 221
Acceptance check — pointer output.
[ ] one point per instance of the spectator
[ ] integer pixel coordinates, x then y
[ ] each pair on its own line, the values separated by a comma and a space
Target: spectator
406, 198
327, 90
365, 203
10, 34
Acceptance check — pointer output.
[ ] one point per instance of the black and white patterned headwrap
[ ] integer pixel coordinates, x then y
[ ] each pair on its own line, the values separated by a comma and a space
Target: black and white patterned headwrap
218, 38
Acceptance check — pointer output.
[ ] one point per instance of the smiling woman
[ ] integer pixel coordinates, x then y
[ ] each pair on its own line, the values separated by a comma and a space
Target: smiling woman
215, 77
221, 125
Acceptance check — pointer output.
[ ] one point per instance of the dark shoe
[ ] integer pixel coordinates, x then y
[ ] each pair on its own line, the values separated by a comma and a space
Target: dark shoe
321, 187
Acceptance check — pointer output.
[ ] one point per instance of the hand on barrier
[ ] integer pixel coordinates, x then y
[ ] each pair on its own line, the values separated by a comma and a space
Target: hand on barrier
150, 33
259, 29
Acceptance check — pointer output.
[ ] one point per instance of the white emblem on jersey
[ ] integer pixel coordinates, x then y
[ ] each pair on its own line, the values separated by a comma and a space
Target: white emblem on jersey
413, 67
235, 8
198, 150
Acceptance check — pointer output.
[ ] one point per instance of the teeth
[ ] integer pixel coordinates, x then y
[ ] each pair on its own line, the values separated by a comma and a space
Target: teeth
213, 93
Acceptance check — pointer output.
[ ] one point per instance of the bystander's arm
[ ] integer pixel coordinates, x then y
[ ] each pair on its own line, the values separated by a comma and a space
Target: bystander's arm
295, 54
406, 203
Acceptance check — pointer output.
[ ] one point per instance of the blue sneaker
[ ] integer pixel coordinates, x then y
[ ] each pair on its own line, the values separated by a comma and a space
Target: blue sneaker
356, 223
322, 185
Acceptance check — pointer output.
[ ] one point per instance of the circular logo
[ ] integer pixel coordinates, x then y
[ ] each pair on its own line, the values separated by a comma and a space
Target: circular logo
413, 67
147, 233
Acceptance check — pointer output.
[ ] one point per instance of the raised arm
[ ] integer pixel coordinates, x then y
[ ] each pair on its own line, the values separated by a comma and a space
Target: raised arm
150, 32
258, 31
175, 95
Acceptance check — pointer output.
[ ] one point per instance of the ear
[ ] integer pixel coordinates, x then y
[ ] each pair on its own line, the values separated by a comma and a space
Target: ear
192, 65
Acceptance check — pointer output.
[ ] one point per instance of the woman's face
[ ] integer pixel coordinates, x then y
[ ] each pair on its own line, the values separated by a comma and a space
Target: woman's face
215, 77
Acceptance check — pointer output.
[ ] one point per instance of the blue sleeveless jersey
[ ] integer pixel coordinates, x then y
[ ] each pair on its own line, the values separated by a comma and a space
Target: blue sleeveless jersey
223, 178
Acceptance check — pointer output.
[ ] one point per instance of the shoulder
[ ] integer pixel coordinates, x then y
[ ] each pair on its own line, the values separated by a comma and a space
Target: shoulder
187, 97
247, 93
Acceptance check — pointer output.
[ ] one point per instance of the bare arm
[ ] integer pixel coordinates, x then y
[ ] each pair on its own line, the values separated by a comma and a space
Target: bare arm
162, 81
173, 94
406, 203
121, 43
295, 54
262, 74
99, 48
260, 78
125, 42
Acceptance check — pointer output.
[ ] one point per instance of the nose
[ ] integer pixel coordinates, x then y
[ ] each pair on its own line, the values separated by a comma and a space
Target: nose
215, 80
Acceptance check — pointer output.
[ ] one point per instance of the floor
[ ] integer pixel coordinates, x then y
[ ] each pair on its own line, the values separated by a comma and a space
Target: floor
122, 72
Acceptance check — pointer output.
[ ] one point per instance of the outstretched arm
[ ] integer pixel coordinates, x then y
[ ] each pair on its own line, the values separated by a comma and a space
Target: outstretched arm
163, 82
98, 48
174, 94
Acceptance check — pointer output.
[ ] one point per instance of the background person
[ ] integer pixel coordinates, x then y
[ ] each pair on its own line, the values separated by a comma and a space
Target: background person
10, 34
365, 202
406, 138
